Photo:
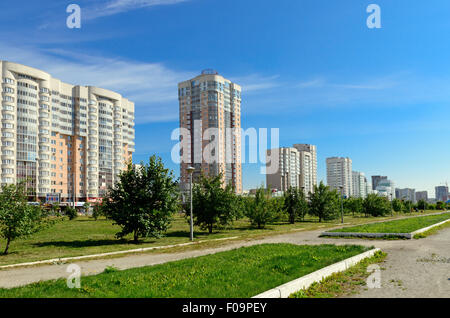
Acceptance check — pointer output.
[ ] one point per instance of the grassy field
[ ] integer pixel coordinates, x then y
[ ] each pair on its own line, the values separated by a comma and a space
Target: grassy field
243, 272
398, 226
85, 236
342, 283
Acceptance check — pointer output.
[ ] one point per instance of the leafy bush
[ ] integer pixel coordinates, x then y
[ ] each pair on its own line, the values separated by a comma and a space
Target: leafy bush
422, 205
263, 209
213, 203
71, 213
397, 205
295, 204
143, 200
376, 205
324, 203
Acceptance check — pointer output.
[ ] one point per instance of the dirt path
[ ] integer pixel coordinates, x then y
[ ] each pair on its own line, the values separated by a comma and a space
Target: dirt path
404, 274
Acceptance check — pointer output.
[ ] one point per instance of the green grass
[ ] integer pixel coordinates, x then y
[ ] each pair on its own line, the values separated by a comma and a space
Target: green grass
343, 283
432, 231
84, 236
398, 226
243, 272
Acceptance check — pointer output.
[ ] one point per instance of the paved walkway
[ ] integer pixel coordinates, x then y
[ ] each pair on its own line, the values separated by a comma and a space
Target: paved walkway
405, 274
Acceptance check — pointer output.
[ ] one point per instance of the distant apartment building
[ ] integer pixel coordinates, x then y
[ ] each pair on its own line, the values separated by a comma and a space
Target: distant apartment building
359, 185
297, 168
376, 179
63, 140
422, 195
211, 101
339, 174
406, 194
441, 193
386, 188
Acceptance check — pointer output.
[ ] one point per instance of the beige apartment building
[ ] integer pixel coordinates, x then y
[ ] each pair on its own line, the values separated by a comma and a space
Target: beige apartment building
211, 101
297, 168
65, 140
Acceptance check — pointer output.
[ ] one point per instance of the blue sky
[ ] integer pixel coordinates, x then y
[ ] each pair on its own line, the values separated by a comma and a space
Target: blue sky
309, 67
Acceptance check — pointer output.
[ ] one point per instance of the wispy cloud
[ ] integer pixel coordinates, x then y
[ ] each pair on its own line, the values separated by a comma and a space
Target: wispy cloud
256, 82
113, 7
152, 86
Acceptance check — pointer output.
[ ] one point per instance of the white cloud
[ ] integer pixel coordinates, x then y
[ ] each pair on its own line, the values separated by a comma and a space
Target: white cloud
118, 6
152, 86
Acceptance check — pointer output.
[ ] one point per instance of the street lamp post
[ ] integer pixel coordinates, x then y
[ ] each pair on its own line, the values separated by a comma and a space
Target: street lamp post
392, 206
342, 204
190, 171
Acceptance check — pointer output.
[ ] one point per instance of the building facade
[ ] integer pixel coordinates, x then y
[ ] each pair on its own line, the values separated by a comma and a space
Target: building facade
376, 179
441, 193
289, 172
339, 174
406, 194
308, 166
62, 140
359, 184
210, 111
386, 188
422, 195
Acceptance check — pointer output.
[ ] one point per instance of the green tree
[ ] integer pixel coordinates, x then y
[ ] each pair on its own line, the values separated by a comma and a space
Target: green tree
17, 217
213, 203
295, 204
86, 207
397, 205
143, 200
71, 213
440, 205
376, 205
422, 205
324, 203
407, 206
263, 209
56, 209
97, 211
353, 205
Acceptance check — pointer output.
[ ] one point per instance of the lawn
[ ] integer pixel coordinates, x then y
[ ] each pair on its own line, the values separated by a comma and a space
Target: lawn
85, 236
243, 272
398, 226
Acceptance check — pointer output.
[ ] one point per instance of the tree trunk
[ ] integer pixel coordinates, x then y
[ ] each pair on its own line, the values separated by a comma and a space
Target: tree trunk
7, 246
136, 239
210, 228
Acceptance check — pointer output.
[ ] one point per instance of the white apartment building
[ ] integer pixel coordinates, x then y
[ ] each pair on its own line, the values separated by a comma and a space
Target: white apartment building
297, 168
62, 139
339, 174
359, 184
308, 166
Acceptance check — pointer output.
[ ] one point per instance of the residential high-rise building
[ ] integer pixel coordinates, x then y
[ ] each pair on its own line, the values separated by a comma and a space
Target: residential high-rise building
422, 195
289, 172
339, 174
359, 184
66, 140
441, 193
376, 179
386, 188
210, 110
308, 166
406, 194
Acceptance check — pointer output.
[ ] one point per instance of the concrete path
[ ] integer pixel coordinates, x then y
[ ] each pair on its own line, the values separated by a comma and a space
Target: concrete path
404, 276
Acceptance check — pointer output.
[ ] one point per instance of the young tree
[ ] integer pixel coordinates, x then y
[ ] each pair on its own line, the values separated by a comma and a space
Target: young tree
143, 200
17, 217
353, 205
262, 209
213, 203
376, 205
97, 211
295, 204
397, 205
86, 207
324, 203
440, 205
422, 205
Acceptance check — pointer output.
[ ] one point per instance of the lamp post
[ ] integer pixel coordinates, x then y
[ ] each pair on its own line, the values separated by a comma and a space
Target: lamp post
342, 203
190, 171
392, 206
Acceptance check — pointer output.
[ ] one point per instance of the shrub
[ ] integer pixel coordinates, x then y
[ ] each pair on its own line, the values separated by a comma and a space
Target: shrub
263, 209
71, 213
376, 205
